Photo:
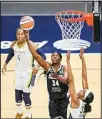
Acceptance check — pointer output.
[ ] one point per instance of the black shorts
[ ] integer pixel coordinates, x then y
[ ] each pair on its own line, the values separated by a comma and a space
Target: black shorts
58, 108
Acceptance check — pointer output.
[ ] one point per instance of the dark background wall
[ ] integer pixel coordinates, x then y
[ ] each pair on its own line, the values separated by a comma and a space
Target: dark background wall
46, 28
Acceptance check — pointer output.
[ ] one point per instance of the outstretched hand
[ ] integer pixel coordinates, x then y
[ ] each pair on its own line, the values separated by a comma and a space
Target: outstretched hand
4, 70
68, 55
81, 53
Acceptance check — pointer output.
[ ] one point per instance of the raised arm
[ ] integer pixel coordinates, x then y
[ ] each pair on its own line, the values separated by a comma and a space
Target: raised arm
72, 91
42, 54
37, 66
84, 70
37, 57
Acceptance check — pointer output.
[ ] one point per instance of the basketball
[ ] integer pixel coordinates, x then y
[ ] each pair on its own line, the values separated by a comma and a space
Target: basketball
27, 23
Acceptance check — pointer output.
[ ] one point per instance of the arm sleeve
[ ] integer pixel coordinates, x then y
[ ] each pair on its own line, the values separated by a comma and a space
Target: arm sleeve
10, 56
41, 53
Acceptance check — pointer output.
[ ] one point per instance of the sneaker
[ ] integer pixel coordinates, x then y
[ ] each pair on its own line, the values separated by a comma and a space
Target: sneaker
28, 117
19, 116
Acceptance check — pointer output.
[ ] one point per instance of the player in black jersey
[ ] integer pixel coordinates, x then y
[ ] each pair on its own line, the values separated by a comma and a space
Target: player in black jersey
57, 83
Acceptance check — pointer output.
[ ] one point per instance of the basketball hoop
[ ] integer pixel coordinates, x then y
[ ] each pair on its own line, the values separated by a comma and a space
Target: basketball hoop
71, 23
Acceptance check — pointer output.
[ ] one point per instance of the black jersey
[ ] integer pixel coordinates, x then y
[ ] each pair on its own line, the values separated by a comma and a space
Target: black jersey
56, 89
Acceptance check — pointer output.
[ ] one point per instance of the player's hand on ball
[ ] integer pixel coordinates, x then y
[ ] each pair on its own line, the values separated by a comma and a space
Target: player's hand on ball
81, 53
68, 55
4, 69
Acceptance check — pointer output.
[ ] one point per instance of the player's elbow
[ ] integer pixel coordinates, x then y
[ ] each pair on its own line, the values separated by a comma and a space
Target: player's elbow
41, 53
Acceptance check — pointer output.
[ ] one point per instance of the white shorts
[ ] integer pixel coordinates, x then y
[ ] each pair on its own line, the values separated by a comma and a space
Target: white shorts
23, 80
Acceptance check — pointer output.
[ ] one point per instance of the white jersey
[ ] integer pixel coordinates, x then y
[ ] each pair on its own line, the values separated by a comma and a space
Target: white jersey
24, 58
78, 112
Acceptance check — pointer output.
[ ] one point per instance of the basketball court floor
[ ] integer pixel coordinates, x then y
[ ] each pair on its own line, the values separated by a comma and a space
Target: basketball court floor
39, 93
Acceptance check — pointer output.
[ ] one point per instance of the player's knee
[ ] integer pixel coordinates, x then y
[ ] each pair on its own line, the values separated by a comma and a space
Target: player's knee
27, 100
18, 96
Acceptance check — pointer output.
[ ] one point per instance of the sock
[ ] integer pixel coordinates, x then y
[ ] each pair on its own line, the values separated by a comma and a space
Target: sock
19, 109
28, 112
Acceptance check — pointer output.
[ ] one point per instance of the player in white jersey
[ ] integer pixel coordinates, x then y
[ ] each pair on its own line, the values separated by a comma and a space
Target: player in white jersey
80, 102
23, 71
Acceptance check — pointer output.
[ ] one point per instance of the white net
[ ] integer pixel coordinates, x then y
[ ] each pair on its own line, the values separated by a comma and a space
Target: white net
71, 31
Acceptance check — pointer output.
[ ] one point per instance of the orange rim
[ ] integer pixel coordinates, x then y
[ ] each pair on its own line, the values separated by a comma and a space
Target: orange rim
85, 16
